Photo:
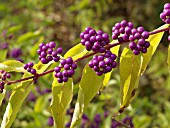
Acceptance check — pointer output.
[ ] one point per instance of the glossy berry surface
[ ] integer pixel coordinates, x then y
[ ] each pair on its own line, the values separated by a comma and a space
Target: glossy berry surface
47, 52
29, 68
4, 75
65, 70
124, 31
165, 15
103, 63
94, 40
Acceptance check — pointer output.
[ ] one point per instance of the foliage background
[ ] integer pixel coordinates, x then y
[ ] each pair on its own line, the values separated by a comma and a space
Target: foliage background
31, 22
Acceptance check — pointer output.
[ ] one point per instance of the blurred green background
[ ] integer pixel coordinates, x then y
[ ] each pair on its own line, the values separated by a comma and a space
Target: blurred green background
26, 23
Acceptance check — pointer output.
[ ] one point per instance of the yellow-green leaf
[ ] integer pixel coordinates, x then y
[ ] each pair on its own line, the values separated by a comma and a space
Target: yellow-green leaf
62, 96
28, 36
12, 65
154, 42
130, 67
168, 61
16, 99
76, 52
3, 54
89, 86
19, 94
2, 95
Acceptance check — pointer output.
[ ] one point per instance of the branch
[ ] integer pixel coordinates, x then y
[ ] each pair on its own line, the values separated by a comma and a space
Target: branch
84, 57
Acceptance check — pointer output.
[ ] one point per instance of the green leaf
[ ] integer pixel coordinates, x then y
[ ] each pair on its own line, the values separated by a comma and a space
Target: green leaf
76, 52
130, 67
154, 42
40, 67
16, 99
28, 36
168, 61
107, 76
3, 54
14, 29
12, 65
2, 95
89, 85
62, 96
41, 103
18, 95
33, 51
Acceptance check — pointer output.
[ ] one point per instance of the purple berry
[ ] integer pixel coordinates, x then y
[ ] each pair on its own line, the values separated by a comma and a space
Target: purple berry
92, 32
44, 48
30, 64
169, 37
63, 62
56, 59
144, 50
74, 66
147, 44
87, 37
145, 35
69, 60
132, 45
82, 35
139, 47
50, 121
43, 54
44, 61
140, 29
26, 66
57, 69
33, 71
99, 73
66, 66
136, 52
102, 64
52, 44
60, 80
15, 53
59, 50
124, 23
65, 79
8, 76
141, 42
99, 32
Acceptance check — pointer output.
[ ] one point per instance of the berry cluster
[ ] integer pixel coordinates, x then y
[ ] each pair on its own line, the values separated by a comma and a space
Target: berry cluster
68, 66
47, 53
103, 63
124, 31
165, 15
95, 41
16, 52
140, 47
29, 68
3, 76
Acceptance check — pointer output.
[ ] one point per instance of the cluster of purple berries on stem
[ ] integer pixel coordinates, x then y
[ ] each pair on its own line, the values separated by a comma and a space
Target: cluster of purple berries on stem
29, 68
3, 76
103, 63
47, 52
165, 15
124, 31
95, 41
68, 71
